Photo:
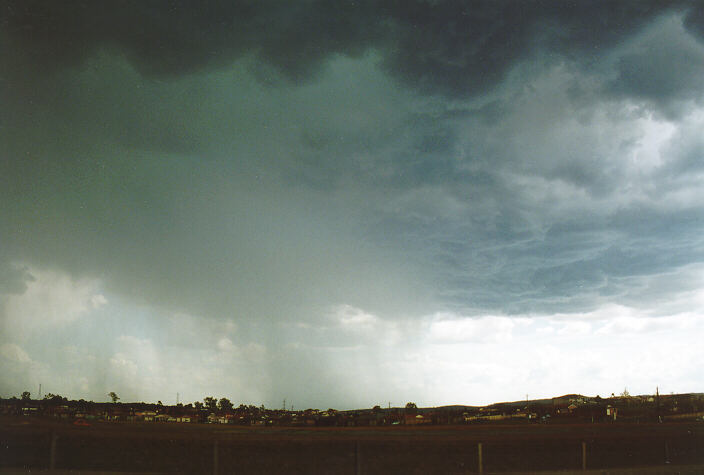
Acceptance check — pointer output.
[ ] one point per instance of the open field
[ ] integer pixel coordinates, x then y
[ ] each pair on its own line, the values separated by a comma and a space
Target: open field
199, 448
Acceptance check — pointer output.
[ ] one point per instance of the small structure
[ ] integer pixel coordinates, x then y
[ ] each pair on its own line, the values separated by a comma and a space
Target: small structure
146, 416
417, 419
611, 411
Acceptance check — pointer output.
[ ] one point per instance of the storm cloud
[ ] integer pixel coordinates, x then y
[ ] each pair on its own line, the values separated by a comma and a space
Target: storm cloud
315, 195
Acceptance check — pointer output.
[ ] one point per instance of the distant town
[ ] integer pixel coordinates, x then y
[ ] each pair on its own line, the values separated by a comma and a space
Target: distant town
563, 409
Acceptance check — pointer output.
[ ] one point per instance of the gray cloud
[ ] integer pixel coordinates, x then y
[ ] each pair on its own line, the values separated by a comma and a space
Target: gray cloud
454, 47
194, 212
262, 166
13, 278
646, 65
148, 181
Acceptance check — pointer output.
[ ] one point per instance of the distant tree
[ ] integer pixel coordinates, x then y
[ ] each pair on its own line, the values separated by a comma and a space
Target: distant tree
376, 409
54, 399
224, 405
26, 396
114, 396
198, 405
211, 403
411, 408
625, 393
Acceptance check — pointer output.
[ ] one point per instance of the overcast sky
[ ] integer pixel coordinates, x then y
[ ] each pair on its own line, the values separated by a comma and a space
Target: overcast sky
351, 203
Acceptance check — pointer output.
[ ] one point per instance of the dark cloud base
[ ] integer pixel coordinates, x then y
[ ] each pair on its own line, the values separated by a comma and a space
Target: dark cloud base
450, 47
77, 144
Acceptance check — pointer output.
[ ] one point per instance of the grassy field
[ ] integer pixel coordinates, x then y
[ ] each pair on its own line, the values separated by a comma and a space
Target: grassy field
198, 448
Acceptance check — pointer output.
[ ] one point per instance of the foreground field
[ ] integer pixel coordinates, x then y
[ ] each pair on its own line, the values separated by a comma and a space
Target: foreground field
196, 448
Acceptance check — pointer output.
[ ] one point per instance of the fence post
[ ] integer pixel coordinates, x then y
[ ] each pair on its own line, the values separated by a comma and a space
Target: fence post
215, 457
357, 459
479, 452
667, 453
52, 451
584, 455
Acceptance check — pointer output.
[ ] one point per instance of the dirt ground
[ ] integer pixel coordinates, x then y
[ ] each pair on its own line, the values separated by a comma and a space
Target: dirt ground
26, 443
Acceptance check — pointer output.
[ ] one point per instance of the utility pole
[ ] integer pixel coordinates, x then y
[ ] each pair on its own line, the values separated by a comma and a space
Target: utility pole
177, 399
40, 391
284, 404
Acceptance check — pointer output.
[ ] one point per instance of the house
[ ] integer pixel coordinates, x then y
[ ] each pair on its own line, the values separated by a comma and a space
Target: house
146, 416
30, 411
611, 411
223, 419
410, 419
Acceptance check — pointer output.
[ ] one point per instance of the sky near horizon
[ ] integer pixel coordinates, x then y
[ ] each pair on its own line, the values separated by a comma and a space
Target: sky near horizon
351, 203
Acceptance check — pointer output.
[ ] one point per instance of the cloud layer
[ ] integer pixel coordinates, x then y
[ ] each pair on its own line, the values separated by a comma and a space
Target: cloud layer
316, 193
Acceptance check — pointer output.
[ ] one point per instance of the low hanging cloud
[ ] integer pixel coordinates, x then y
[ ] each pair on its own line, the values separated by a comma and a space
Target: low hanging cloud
448, 46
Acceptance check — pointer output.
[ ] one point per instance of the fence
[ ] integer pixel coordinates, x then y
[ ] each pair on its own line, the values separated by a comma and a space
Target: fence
412, 453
